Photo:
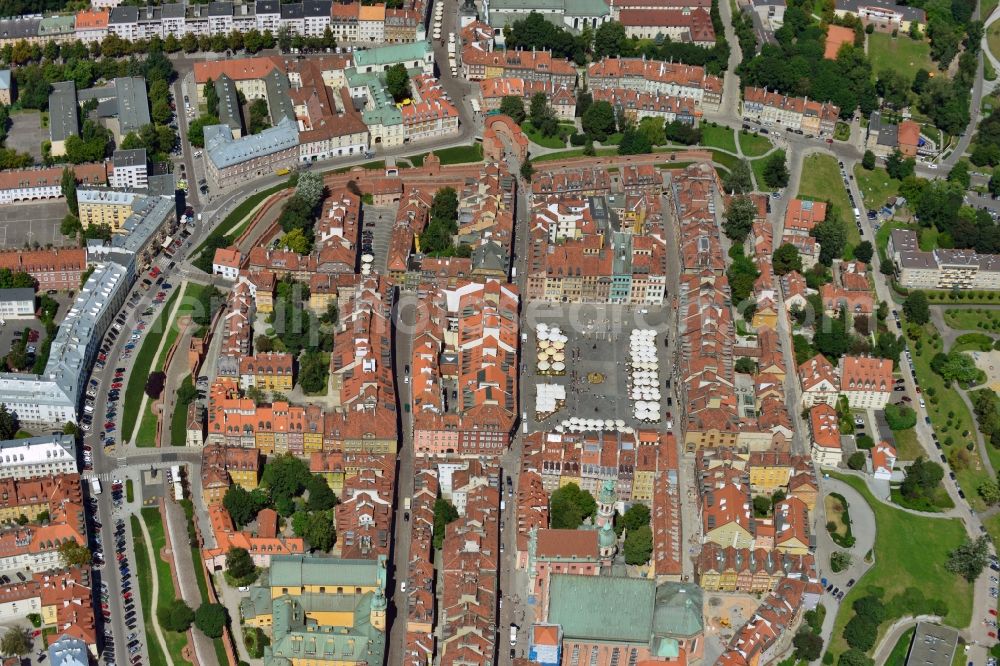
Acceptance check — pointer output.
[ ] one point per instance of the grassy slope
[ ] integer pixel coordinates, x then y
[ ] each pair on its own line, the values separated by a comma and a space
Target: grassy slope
901, 54
821, 181
145, 578
910, 551
949, 401
141, 367
175, 642
876, 186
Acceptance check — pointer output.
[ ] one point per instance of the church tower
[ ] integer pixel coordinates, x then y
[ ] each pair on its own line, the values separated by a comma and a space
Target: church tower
606, 501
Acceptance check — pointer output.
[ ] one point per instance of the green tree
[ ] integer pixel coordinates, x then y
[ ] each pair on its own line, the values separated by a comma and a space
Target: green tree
868, 161
542, 117
808, 646
854, 657
569, 506
969, 559
990, 492
242, 505
313, 372
297, 241
922, 479
9, 424
634, 142
860, 633
955, 366
864, 252
634, 517
285, 476
739, 218
176, 616
960, 174
900, 418
840, 560
320, 531
70, 226
638, 545
599, 120
746, 365
444, 513
68, 187
609, 40
831, 234
211, 619
916, 309
994, 185
397, 81
786, 259
321, 497
513, 106
15, 642
761, 506
857, 460
73, 554
652, 129
239, 564
211, 98
776, 170
527, 170
740, 179
196, 129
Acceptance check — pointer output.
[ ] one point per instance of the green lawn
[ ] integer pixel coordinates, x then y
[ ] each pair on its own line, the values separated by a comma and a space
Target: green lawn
910, 552
901, 54
821, 181
754, 145
376, 164
178, 425
842, 131
145, 578
573, 152
940, 501
613, 139
986, 8
876, 186
725, 159
899, 651
144, 361
907, 445
972, 319
175, 642
718, 136
536, 137
147, 426
461, 154
993, 39
942, 401
129, 491
757, 166
973, 342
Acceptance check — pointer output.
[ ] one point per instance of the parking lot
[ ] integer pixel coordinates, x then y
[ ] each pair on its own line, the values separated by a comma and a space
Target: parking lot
382, 220
33, 222
596, 359
26, 133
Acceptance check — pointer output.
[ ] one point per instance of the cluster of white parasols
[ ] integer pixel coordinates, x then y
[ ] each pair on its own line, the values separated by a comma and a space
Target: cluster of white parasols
551, 344
644, 376
549, 398
578, 424
366, 263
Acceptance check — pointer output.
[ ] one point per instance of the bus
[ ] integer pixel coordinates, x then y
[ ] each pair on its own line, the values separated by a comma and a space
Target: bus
95, 487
